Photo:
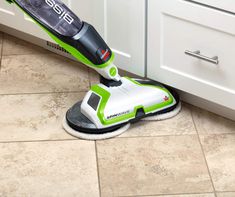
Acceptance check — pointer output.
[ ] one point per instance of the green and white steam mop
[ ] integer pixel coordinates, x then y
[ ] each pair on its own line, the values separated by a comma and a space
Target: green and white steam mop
110, 107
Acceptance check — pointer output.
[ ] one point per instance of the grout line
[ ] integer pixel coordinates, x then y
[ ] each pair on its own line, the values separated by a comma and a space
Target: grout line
117, 138
204, 155
134, 137
217, 134
225, 191
75, 139
1, 51
41, 93
174, 194
156, 136
39, 141
89, 76
97, 166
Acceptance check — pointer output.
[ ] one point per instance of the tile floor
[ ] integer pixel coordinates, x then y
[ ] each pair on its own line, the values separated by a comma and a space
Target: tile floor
191, 155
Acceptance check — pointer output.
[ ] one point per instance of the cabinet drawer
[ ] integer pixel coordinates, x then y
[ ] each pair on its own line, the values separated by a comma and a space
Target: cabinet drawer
227, 5
172, 33
181, 36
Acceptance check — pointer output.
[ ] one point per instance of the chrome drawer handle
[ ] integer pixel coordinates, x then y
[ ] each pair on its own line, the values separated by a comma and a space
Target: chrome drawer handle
197, 54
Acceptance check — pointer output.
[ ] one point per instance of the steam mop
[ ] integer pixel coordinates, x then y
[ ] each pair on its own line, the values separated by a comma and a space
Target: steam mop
110, 107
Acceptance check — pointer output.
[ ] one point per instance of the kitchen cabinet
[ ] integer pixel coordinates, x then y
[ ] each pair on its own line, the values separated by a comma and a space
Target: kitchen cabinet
226, 5
177, 46
182, 38
8, 14
121, 23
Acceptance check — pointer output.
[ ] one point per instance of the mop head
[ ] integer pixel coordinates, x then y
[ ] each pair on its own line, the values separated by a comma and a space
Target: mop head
85, 136
119, 131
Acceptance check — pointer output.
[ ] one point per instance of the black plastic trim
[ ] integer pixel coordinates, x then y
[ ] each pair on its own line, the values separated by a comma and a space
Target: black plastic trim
110, 83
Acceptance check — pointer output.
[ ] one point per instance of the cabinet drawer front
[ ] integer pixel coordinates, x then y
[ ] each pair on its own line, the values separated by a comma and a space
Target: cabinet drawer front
199, 74
227, 5
181, 36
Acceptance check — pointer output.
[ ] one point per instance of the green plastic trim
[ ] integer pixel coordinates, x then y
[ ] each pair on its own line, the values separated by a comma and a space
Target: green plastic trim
113, 72
73, 51
105, 95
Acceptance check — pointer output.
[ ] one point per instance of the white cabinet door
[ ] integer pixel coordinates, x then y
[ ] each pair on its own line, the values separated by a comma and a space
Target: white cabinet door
8, 14
123, 27
227, 5
178, 30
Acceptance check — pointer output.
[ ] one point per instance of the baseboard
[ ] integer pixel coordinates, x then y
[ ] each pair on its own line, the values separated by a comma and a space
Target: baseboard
188, 98
207, 105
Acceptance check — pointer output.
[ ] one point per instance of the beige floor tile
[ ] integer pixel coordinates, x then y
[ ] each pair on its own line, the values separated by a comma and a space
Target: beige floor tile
94, 77
150, 166
16, 46
209, 123
48, 169
35, 117
226, 194
179, 125
220, 155
186, 195
42, 73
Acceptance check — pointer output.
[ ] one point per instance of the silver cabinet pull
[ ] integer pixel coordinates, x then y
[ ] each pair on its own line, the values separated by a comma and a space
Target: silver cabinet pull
197, 54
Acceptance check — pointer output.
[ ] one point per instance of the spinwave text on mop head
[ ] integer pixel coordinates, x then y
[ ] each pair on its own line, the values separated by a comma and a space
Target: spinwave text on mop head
118, 114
